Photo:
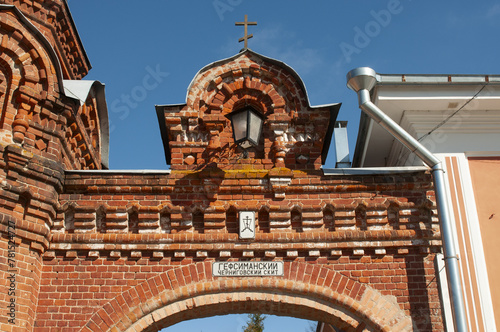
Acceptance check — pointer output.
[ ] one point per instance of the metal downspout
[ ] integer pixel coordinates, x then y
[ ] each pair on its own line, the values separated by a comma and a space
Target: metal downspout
362, 80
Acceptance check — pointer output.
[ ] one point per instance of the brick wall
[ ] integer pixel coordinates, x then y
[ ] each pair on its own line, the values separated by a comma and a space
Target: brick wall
387, 248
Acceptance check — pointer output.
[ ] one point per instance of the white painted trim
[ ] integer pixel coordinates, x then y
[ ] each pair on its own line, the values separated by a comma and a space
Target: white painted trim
482, 154
374, 170
472, 312
477, 245
476, 241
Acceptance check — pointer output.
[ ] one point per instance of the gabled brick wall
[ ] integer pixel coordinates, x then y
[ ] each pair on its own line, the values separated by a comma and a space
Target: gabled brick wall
295, 135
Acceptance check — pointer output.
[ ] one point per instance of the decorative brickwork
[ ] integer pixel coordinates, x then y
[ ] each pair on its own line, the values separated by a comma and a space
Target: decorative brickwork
98, 250
198, 134
35, 112
53, 19
174, 294
94, 264
42, 133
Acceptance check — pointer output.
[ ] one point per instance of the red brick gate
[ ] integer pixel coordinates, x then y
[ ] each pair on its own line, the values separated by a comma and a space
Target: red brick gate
99, 250
338, 272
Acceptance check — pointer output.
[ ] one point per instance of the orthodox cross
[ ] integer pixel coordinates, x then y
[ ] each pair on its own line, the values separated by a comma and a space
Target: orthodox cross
247, 36
246, 223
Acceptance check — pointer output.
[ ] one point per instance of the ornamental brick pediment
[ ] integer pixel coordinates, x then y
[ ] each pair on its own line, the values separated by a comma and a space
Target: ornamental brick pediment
198, 133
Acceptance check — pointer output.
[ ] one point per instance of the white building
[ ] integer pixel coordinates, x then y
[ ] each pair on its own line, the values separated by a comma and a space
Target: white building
457, 118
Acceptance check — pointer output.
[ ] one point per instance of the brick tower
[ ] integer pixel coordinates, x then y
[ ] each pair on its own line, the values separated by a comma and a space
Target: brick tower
44, 130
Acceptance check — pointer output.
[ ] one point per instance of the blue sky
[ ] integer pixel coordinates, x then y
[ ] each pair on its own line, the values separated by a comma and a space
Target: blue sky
147, 52
236, 323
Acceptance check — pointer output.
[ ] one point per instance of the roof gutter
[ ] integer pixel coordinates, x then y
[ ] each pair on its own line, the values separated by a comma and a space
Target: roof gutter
362, 80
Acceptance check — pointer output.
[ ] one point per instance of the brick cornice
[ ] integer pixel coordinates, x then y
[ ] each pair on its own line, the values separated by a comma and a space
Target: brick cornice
238, 181
318, 238
226, 246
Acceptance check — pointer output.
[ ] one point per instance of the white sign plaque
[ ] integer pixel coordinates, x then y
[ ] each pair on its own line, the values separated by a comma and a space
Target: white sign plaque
247, 269
247, 225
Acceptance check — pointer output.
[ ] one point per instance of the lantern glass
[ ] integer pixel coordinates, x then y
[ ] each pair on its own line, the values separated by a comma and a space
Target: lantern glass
255, 128
247, 127
240, 124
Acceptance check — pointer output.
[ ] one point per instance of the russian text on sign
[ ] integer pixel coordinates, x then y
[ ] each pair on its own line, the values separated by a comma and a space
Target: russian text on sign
247, 269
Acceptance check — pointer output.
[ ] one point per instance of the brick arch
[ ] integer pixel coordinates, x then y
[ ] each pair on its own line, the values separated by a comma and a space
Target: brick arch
256, 98
234, 94
29, 49
218, 83
306, 291
37, 75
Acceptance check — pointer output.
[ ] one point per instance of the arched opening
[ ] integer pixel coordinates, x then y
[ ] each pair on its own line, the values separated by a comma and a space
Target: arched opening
296, 219
100, 220
329, 218
268, 303
232, 220
361, 217
191, 291
198, 221
263, 220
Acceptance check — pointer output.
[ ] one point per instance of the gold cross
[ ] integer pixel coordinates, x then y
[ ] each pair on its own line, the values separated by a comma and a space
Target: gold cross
247, 36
